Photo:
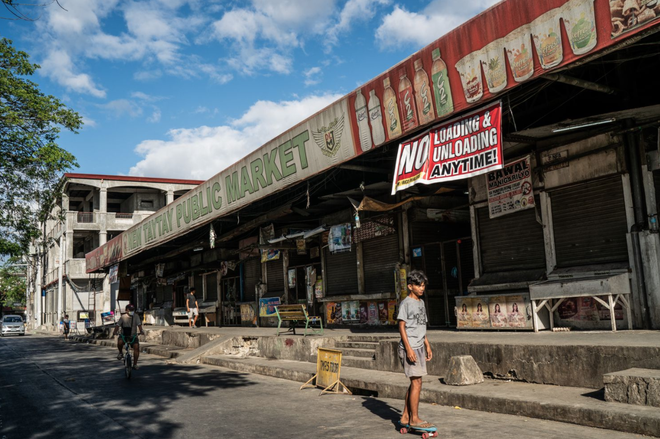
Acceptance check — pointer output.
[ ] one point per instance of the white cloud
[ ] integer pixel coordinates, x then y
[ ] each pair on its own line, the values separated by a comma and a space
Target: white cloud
145, 97
312, 76
88, 122
120, 107
58, 67
147, 75
403, 28
155, 116
353, 10
200, 153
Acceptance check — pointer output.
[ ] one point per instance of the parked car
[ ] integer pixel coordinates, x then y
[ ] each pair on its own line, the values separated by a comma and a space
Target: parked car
12, 324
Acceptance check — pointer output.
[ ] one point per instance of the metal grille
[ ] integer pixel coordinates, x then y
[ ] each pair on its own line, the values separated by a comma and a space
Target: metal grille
590, 223
380, 256
341, 271
510, 242
251, 276
275, 275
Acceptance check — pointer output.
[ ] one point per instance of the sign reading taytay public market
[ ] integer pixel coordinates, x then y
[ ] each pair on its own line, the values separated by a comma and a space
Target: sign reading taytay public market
460, 148
510, 189
317, 144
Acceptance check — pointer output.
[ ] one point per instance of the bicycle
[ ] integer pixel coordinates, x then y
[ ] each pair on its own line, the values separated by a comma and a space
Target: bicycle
128, 357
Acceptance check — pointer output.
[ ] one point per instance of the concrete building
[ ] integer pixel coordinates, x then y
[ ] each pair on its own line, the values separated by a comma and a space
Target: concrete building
91, 210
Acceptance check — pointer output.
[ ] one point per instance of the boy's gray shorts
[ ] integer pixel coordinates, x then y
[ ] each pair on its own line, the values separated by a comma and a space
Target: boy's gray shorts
417, 369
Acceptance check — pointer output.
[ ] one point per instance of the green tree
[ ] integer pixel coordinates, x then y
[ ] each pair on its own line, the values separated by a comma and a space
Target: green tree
31, 162
12, 285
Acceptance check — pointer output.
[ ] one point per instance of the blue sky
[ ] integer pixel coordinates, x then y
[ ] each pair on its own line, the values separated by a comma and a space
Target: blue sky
184, 88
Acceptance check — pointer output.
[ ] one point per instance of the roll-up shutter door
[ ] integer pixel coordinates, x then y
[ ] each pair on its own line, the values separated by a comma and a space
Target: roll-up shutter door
380, 256
510, 242
199, 286
251, 276
211, 287
589, 222
341, 269
275, 275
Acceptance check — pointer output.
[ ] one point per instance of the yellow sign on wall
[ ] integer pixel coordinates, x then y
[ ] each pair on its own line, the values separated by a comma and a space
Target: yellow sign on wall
328, 368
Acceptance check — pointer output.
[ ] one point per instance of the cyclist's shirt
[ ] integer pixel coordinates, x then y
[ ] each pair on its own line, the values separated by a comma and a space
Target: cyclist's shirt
129, 324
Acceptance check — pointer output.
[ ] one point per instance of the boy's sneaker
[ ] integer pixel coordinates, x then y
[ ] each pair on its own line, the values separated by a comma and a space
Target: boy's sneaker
135, 367
120, 356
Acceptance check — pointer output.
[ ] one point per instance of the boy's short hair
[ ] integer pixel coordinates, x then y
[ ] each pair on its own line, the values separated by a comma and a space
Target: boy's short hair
417, 277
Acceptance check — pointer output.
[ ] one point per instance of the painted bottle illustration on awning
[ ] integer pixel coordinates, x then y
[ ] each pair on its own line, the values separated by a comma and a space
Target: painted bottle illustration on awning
423, 94
544, 33
362, 116
376, 119
444, 103
392, 119
407, 103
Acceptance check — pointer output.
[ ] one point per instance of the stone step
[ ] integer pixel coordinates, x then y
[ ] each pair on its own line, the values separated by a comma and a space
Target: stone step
633, 386
358, 362
372, 338
355, 352
356, 345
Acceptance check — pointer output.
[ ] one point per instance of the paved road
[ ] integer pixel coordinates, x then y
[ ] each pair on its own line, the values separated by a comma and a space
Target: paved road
50, 388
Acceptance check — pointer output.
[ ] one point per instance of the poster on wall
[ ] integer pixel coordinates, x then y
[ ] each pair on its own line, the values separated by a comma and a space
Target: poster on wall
339, 238
265, 234
518, 312
333, 314
510, 188
372, 313
464, 312
248, 314
480, 316
318, 289
497, 312
364, 312
291, 276
350, 311
267, 306
391, 312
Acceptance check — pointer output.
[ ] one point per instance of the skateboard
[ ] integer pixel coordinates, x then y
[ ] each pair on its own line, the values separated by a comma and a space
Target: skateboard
425, 432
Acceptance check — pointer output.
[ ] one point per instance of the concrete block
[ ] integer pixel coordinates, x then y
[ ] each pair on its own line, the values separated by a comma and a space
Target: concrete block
463, 371
633, 386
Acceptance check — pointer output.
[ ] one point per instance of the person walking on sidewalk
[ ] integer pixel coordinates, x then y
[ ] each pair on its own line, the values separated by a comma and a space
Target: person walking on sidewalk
193, 309
130, 325
66, 326
414, 348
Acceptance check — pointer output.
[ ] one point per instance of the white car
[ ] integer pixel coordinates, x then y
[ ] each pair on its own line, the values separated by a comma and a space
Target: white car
12, 324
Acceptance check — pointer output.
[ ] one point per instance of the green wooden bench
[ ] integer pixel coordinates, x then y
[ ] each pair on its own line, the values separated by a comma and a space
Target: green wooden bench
294, 314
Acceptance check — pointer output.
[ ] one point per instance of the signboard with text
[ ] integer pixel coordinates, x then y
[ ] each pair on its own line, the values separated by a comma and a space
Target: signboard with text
458, 149
510, 189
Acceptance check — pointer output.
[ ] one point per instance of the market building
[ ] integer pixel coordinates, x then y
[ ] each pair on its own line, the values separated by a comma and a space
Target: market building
515, 160
91, 210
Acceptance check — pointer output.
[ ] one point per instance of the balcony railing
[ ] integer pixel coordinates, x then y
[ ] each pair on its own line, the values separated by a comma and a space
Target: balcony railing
120, 215
85, 217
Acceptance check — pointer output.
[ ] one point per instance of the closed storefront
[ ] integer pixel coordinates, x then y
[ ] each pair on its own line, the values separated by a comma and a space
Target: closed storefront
381, 256
251, 277
341, 269
275, 276
589, 223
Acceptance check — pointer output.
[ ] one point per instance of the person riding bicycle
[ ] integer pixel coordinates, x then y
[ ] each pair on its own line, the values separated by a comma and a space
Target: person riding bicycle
130, 325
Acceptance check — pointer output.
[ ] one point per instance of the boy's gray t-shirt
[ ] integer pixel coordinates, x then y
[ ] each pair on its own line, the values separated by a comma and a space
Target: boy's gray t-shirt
413, 312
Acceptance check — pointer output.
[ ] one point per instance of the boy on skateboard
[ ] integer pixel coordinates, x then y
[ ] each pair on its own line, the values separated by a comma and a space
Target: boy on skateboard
414, 349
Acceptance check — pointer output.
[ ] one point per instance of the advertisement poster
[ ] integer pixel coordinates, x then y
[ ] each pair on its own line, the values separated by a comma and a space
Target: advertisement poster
291, 276
333, 313
248, 314
364, 313
339, 238
391, 312
267, 306
497, 312
457, 149
108, 317
516, 311
350, 311
372, 309
265, 234
382, 313
480, 316
318, 289
464, 312
510, 189
403, 280
604, 313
